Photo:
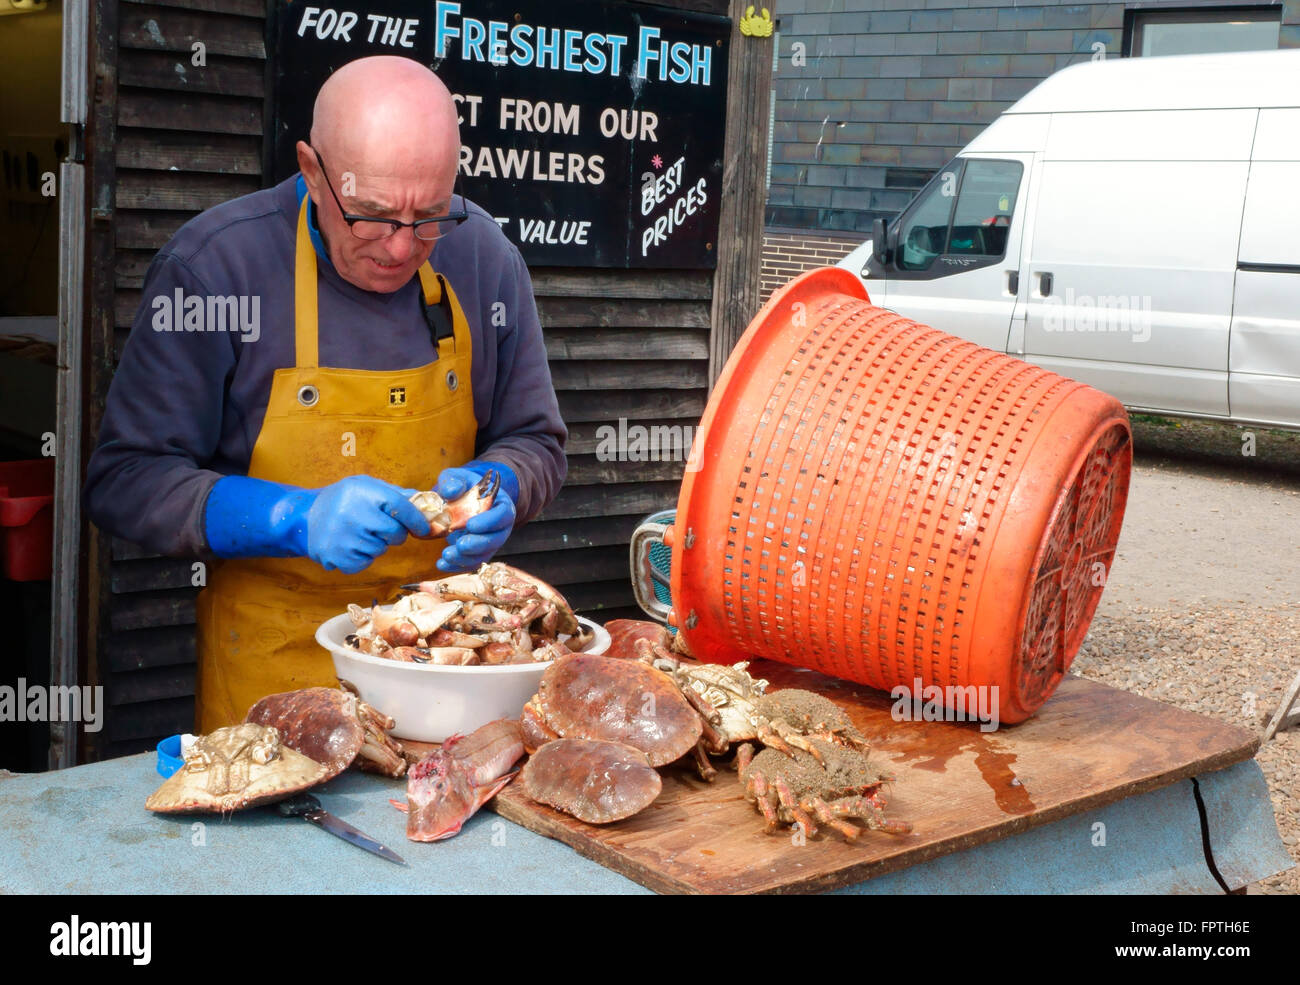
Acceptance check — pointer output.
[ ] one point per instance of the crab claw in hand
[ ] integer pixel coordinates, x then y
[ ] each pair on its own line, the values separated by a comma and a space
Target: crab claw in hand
459, 496
481, 537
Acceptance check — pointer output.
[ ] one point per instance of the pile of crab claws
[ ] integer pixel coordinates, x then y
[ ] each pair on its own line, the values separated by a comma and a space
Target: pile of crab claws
495, 615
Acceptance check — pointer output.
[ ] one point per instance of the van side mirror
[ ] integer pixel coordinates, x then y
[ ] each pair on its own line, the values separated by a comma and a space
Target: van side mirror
880, 251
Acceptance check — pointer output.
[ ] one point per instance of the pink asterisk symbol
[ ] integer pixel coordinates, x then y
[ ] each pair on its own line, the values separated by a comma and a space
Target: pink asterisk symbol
657, 161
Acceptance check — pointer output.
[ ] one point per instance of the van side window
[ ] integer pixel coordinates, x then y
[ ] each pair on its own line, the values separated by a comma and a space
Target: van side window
982, 219
924, 234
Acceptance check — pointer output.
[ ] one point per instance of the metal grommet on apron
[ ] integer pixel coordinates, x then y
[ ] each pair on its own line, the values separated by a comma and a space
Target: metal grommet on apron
453, 380
257, 617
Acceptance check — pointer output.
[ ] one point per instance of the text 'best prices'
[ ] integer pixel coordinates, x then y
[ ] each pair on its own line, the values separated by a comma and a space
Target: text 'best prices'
658, 189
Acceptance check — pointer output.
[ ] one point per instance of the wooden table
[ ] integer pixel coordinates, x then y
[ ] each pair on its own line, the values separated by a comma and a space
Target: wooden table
1089, 746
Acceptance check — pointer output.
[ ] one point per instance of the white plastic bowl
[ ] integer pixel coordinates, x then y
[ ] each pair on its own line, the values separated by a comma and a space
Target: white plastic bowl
430, 702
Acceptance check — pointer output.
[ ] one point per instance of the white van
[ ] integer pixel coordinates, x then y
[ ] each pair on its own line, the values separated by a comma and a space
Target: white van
1131, 223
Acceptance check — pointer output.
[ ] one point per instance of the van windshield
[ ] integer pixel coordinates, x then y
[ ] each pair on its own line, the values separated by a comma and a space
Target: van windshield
924, 233
965, 210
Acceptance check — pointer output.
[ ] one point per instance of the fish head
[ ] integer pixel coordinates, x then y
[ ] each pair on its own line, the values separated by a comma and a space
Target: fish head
441, 797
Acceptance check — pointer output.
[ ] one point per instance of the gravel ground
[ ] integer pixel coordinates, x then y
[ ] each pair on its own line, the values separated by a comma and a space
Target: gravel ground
1202, 606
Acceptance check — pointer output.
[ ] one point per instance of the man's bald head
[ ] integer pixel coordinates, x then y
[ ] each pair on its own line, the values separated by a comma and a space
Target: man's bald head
386, 128
385, 105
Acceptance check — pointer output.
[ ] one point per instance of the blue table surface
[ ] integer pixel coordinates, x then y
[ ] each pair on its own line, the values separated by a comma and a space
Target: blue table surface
86, 831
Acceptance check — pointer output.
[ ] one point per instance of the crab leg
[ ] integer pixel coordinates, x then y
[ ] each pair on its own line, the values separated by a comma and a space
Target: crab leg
385, 757
791, 804
772, 739
758, 791
744, 756
706, 770
791, 735
868, 808
816, 805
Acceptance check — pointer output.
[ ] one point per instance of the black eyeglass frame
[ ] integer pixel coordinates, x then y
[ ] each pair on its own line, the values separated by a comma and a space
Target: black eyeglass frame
456, 218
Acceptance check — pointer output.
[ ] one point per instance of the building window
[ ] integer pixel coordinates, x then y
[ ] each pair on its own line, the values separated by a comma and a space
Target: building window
1199, 30
771, 109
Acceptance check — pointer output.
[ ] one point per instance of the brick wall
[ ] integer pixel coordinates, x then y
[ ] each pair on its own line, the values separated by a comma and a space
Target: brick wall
786, 255
874, 96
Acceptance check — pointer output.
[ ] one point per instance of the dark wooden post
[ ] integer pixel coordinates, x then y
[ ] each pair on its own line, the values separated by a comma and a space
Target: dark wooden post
101, 169
744, 189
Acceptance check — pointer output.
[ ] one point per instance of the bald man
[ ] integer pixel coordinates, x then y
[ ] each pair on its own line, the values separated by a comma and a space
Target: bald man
306, 357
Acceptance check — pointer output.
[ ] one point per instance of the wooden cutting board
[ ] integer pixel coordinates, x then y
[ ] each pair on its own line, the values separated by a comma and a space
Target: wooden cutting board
1090, 745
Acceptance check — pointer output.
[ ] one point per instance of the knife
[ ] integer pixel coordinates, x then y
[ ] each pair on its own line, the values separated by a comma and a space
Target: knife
305, 805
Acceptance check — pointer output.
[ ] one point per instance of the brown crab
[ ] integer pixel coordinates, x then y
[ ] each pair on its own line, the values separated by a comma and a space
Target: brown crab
447, 515
831, 784
233, 768
332, 726
597, 782
582, 696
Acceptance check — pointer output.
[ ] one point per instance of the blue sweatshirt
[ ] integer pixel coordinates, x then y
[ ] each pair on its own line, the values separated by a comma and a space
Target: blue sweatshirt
185, 407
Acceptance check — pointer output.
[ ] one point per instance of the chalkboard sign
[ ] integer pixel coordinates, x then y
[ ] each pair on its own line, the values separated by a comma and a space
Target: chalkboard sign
592, 132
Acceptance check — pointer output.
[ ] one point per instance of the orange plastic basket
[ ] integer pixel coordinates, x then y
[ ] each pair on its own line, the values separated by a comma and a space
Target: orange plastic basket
883, 502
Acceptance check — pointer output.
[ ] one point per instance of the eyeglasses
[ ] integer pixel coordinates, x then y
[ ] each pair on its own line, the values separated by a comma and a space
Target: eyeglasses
370, 227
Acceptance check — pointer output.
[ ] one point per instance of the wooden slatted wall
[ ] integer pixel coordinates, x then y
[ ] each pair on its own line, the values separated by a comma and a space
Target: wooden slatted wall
621, 344
187, 137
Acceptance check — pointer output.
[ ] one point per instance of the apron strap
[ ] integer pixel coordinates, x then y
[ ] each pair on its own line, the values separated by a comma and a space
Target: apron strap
442, 311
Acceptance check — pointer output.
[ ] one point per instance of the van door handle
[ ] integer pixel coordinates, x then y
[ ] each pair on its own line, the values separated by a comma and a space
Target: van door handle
1013, 281
1044, 284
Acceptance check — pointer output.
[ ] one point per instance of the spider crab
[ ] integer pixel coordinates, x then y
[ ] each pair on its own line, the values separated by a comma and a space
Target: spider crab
233, 768
830, 783
445, 515
738, 708
334, 727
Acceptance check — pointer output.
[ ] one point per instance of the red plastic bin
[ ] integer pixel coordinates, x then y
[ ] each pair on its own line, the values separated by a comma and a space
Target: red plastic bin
27, 519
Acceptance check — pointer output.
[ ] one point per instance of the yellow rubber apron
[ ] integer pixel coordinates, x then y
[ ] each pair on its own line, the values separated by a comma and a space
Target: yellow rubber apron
257, 618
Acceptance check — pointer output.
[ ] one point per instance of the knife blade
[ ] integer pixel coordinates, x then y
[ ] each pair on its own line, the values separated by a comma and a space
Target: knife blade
307, 806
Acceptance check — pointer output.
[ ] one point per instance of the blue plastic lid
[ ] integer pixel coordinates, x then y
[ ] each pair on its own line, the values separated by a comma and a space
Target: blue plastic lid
169, 756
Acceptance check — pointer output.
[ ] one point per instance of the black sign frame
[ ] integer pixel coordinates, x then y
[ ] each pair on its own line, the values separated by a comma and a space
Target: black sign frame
592, 132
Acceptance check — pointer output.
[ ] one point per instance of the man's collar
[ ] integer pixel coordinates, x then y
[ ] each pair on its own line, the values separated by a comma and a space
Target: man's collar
316, 240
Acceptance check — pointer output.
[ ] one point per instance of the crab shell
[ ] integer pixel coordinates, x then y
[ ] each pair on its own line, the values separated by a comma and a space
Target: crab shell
333, 727
582, 696
809, 713
623, 634
596, 782
233, 768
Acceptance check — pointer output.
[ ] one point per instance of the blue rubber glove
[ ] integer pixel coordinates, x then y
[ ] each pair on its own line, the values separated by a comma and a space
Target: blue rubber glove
343, 526
484, 534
